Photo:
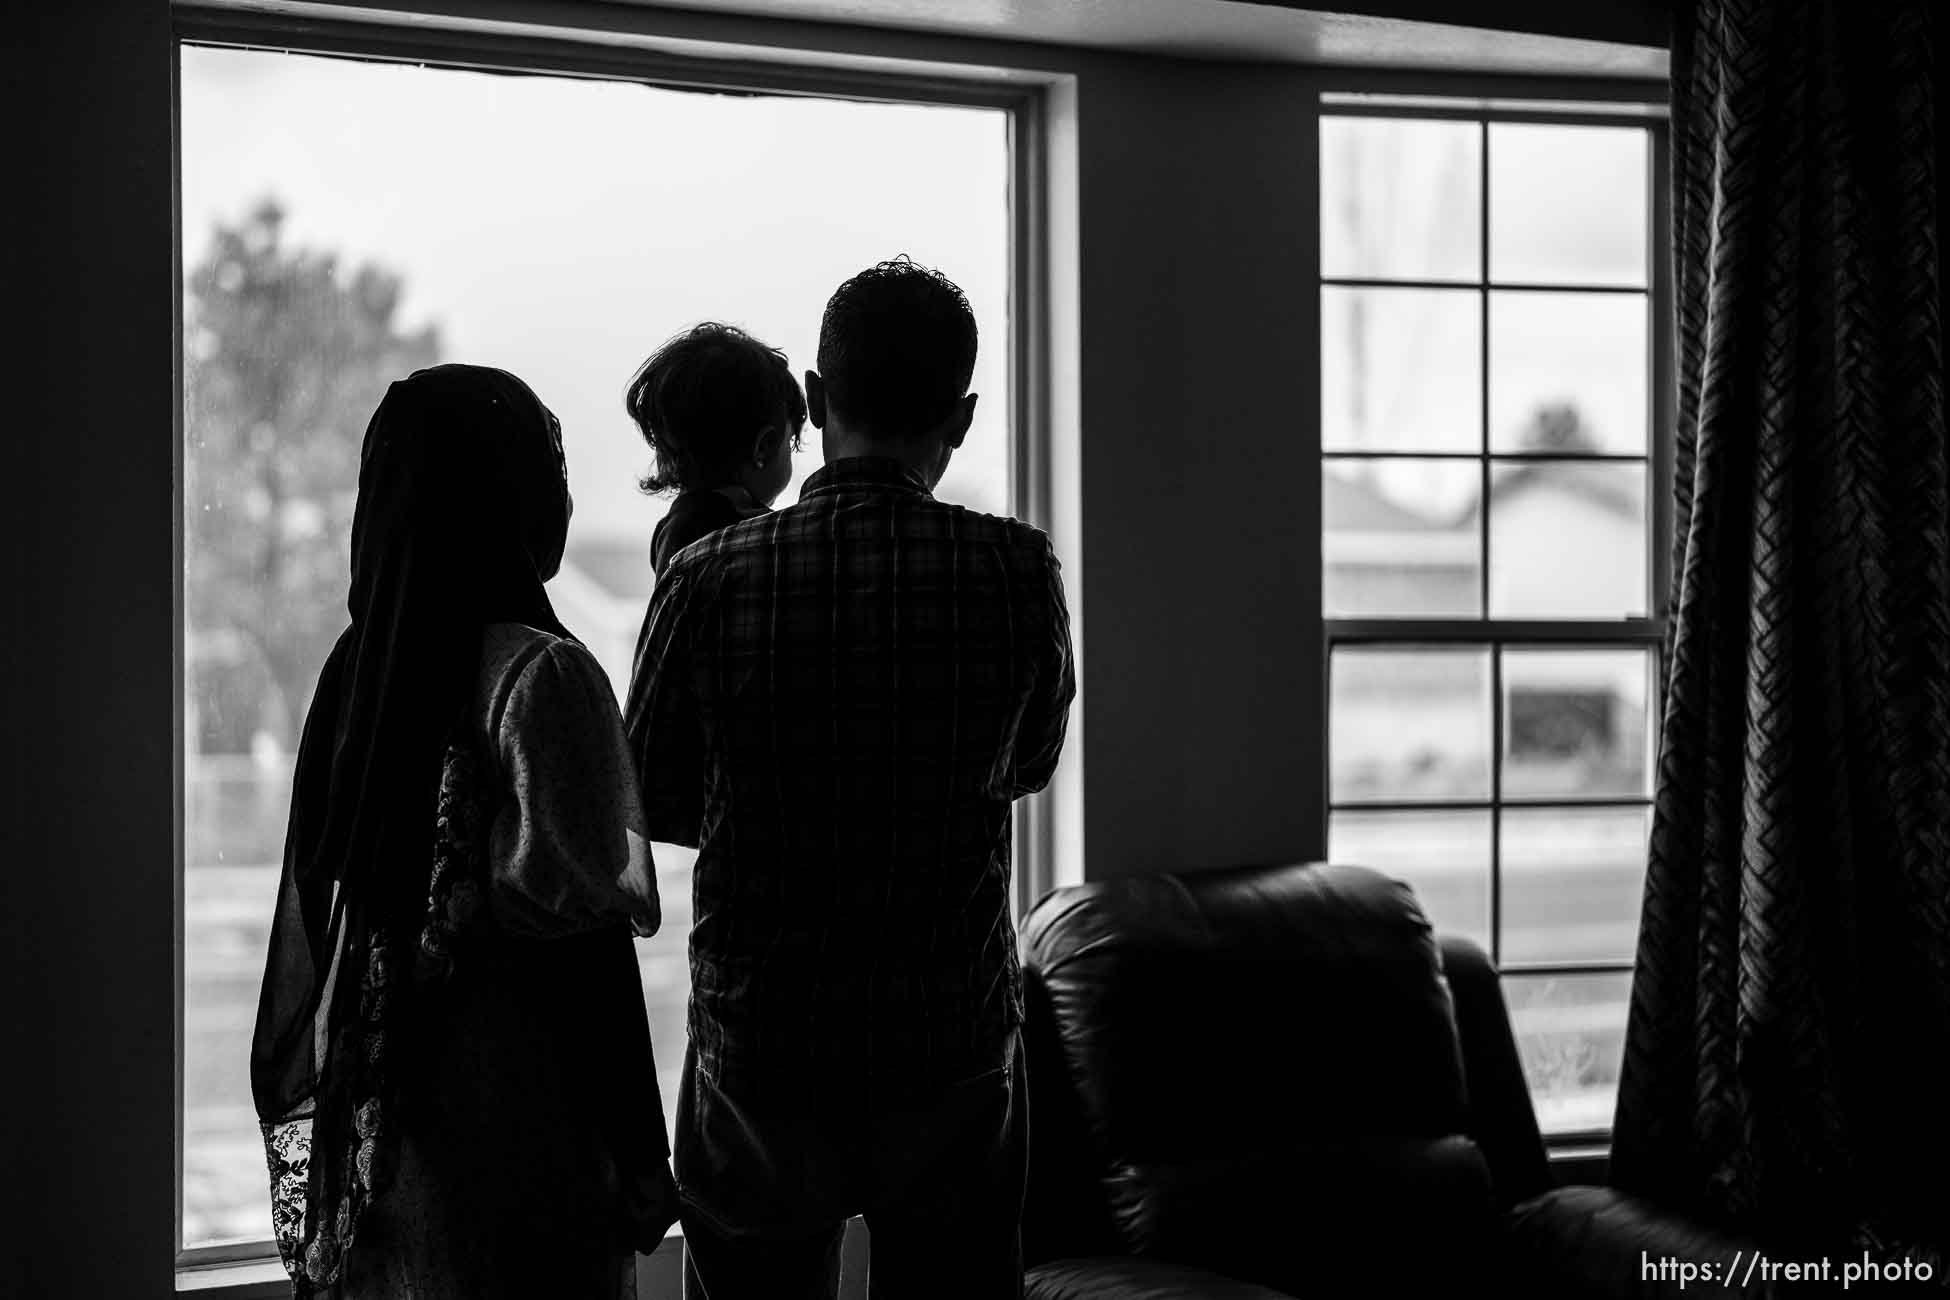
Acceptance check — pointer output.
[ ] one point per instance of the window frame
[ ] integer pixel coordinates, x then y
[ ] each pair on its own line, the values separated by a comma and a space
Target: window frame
239, 1269
1560, 102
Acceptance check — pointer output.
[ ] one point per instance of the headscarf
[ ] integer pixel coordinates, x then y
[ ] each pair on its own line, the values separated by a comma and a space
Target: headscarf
462, 515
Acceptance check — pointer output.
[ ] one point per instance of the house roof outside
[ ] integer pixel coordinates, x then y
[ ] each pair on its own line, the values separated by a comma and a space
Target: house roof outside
1351, 506
1596, 481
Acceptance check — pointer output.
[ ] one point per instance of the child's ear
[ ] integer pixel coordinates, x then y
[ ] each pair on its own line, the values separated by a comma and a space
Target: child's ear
769, 444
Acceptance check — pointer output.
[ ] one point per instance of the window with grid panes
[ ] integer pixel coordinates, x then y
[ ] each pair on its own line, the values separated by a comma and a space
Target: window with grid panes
1491, 529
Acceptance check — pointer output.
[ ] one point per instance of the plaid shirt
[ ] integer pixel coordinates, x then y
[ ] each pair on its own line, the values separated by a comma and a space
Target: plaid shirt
836, 704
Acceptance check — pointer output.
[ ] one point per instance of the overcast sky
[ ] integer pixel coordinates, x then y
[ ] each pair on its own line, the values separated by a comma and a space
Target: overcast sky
562, 229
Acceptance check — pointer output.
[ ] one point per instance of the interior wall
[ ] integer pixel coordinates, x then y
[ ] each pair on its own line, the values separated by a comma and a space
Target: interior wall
1199, 484
89, 864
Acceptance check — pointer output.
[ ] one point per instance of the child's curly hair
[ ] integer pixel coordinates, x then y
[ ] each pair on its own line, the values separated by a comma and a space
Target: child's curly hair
701, 398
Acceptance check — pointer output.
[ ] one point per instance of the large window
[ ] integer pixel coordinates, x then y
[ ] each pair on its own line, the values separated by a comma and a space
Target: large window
1490, 479
345, 222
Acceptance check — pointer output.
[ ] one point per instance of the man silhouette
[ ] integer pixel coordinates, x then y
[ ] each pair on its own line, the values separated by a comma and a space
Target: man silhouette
837, 704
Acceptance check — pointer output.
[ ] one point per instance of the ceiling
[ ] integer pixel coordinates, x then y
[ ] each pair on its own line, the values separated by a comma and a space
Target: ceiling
1617, 38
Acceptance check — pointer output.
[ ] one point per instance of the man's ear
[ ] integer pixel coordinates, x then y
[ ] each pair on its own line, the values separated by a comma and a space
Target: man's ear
815, 399
957, 427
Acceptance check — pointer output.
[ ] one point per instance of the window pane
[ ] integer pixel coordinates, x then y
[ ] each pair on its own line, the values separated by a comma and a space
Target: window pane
1568, 372
1567, 204
1570, 1032
1399, 538
1409, 724
234, 810
1400, 199
347, 222
1401, 370
1572, 881
1444, 856
1575, 723
1567, 539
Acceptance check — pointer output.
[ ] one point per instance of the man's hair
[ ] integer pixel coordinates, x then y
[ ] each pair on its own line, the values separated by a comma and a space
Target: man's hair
701, 398
896, 348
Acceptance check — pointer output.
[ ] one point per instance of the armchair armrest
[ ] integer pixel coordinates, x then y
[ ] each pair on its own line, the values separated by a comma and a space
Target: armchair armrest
1134, 1277
1501, 1118
1597, 1242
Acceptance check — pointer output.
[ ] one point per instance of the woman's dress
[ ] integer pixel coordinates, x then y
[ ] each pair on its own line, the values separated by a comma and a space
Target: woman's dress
531, 1160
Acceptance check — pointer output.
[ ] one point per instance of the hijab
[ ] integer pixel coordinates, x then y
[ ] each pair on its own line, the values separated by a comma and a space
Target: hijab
462, 515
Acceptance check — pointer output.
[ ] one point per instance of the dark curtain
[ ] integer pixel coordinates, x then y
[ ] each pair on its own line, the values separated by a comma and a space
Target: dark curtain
1787, 1065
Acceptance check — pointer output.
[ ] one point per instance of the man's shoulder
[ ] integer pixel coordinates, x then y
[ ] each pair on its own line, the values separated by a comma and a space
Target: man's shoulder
1022, 543
921, 518
762, 548
1004, 527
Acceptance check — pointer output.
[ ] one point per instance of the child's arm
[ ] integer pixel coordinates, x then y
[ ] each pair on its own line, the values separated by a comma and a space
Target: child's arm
665, 727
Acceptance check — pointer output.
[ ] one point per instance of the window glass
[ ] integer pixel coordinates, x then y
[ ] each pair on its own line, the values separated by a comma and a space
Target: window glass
1401, 369
1400, 199
1401, 537
1486, 467
1410, 724
346, 222
1570, 1031
1567, 372
1567, 204
1567, 539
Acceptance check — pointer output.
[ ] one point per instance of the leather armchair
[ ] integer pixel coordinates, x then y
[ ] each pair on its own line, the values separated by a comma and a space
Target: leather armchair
1279, 1081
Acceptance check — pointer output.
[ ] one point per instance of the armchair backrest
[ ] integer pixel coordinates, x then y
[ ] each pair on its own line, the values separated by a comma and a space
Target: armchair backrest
1223, 1033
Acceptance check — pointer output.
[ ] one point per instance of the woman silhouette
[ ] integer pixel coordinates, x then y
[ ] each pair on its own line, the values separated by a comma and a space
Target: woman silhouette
452, 1063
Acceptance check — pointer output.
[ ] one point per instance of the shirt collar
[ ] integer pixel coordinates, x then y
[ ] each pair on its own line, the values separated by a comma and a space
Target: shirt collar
864, 471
